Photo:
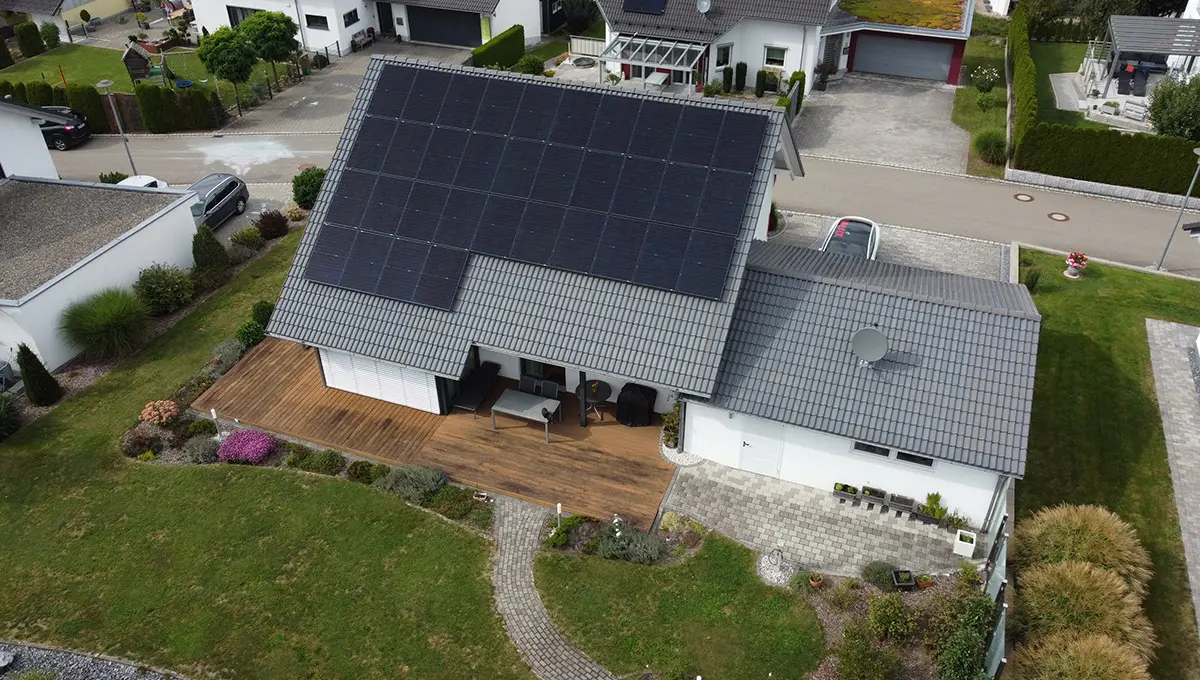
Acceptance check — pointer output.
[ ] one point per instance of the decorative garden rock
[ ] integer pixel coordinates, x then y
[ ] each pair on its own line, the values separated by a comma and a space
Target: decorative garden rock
6, 660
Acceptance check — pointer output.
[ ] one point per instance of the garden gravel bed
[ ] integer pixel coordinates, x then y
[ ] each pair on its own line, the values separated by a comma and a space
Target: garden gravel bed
75, 666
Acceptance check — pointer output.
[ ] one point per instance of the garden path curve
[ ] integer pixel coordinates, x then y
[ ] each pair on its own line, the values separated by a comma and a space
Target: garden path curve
518, 528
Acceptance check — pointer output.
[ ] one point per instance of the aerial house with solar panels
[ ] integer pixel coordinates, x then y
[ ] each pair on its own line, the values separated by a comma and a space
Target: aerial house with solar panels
508, 277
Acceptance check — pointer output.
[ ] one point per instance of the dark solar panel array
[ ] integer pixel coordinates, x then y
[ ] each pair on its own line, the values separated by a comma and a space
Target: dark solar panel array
645, 6
602, 184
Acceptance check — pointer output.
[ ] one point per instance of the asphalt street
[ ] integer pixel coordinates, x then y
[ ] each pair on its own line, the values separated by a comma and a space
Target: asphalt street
965, 206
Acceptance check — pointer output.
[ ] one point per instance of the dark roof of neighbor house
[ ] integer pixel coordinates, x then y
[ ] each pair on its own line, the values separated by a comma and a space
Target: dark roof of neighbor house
956, 383
681, 21
600, 325
14, 106
47, 226
473, 6
45, 7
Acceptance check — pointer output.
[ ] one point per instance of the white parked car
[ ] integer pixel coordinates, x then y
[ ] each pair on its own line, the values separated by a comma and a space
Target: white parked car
143, 181
856, 236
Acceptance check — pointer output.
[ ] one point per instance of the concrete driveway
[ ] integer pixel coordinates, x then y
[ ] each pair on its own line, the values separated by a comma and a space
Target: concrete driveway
885, 120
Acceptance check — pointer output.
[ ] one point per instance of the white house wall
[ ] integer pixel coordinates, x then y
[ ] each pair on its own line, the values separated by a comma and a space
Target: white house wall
212, 14
819, 460
11, 337
510, 367
527, 13
24, 151
167, 240
400, 12
751, 37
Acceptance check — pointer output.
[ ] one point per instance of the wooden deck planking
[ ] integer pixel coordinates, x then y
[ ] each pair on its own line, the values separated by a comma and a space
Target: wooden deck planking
598, 470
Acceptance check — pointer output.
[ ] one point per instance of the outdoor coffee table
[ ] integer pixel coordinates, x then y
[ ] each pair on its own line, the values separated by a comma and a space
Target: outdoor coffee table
523, 405
658, 80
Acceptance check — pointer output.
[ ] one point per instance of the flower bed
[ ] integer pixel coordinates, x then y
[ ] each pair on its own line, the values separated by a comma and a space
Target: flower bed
246, 446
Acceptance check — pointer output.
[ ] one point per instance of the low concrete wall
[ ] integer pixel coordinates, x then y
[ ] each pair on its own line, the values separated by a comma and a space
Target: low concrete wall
1110, 190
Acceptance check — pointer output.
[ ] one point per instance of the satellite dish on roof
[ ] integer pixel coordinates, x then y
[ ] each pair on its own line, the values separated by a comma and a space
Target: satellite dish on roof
869, 344
702, 6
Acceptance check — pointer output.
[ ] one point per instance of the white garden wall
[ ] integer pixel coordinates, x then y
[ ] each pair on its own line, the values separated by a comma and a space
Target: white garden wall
24, 152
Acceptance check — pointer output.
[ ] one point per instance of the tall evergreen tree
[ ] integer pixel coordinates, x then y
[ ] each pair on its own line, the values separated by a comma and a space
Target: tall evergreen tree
207, 251
41, 387
6, 58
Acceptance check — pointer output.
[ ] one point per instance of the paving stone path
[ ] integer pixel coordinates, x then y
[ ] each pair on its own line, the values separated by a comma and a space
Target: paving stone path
518, 528
1179, 405
811, 527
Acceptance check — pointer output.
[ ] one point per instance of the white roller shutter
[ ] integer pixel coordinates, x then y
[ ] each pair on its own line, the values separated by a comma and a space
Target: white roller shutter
897, 56
380, 380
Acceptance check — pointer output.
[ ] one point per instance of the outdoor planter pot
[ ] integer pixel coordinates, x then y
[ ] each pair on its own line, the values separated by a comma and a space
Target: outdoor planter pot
924, 516
964, 543
870, 493
845, 491
904, 503
903, 579
924, 581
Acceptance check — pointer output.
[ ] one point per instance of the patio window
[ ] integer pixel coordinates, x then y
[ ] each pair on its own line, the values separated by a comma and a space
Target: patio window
238, 14
350, 18
723, 55
775, 56
871, 448
913, 458
316, 21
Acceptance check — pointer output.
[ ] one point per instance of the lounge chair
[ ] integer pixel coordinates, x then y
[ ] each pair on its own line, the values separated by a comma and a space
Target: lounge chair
476, 388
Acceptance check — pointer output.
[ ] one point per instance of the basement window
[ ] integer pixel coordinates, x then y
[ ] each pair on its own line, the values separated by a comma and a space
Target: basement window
871, 448
316, 21
350, 18
915, 459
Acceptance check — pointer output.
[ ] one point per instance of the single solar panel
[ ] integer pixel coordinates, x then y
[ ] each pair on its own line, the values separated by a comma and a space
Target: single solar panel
460, 218
661, 257
741, 142
613, 126
445, 152
425, 206
497, 227
462, 103
366, 262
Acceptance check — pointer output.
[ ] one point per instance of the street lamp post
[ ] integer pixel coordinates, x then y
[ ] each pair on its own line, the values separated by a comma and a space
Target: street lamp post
105, 86
1186, 197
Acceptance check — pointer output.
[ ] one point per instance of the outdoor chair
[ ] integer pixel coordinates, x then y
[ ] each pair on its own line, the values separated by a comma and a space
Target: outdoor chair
1139, 83
528, 384
1123, 83
550, 390
477, 387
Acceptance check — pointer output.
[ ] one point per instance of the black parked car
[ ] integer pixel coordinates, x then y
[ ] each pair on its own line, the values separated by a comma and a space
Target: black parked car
64, 128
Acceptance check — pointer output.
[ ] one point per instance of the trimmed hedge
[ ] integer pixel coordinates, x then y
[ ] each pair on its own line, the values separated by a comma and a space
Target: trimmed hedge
29, 39
18, 92
39, 93
503, 50
59, 95
86, 99
1143, 161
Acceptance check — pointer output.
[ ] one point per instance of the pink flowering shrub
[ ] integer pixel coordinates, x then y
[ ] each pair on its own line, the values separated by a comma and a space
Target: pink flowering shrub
159, 413
246, 446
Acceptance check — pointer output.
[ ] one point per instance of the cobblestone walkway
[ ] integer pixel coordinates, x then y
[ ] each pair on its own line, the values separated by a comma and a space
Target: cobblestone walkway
812, 527
1170, 349
518, 528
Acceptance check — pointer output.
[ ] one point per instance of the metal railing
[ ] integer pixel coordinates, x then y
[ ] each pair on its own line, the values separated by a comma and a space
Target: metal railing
585, 47
994, 661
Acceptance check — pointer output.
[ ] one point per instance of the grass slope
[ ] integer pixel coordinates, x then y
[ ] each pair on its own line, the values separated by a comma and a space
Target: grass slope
1050, 58
709, 615
1096, 435
980, 51
231, 571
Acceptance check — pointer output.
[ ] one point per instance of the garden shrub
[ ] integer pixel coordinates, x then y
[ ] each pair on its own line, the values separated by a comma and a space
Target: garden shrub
366, 472
246, 446
164, 288
113, 177
453, 502
201, 450
10, 417
961, 656
86, 100
623, 542
890, 617
19, 92
161, 413
51, 36
1081, 598
503, 50
29, 39
39, 93
325, 462
1032, 277
859, 660
59, 95
739, 78
711, 89
846, 594
992, 145
251, 333
227, 353
306, 186
294, 213
194, 386
261, 312
760, 83
239, 254
6, 60
41, 387
271, 224
879, 574
531, 64
670, 427
147, 457
1068, 657
158, 106
141, 438
207, 251
197, 110
411, 483
561, 535
1083, 533
109, 324
249, 237
727, 78
202, 428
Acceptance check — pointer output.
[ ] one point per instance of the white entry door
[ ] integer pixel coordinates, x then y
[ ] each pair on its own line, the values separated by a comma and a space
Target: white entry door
762, 446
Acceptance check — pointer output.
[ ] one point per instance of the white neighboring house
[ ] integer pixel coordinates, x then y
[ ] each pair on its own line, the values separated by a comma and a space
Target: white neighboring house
1187, 64
63, 241
24, 151
333, 24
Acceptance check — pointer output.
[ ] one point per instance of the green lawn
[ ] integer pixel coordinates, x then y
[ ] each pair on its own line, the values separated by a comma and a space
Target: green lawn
222, 570
980, 51
1096, 435
80, 64
596, 30
709, 615
1054, 57
549, 49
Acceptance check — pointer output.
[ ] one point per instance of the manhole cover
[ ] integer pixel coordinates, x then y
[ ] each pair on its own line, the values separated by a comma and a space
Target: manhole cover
1024, 198
1058, 217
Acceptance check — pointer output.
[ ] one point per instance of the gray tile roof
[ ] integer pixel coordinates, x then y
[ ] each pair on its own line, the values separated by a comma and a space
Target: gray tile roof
47, 7
476, 6
681, 21
655, 336
956, 385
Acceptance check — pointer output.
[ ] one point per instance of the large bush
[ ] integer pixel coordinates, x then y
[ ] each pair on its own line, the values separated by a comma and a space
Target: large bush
29, 40
858, 659
412, 484
306, 186
10, 417
85, 99
530, 64
158, 106
1024, 75
890, 617
164, 288
250, 333
366, 472
992, 145
271, 224
261, 312
879, 574
51, 36
109, 324
961, 656
246, 446
1070, 657
201, 449
1082, 533
41, 387
623, 542
6, 60
1081, 598
249, 237
1175, 107
208, 252
39, 93
325, 462
503, 50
